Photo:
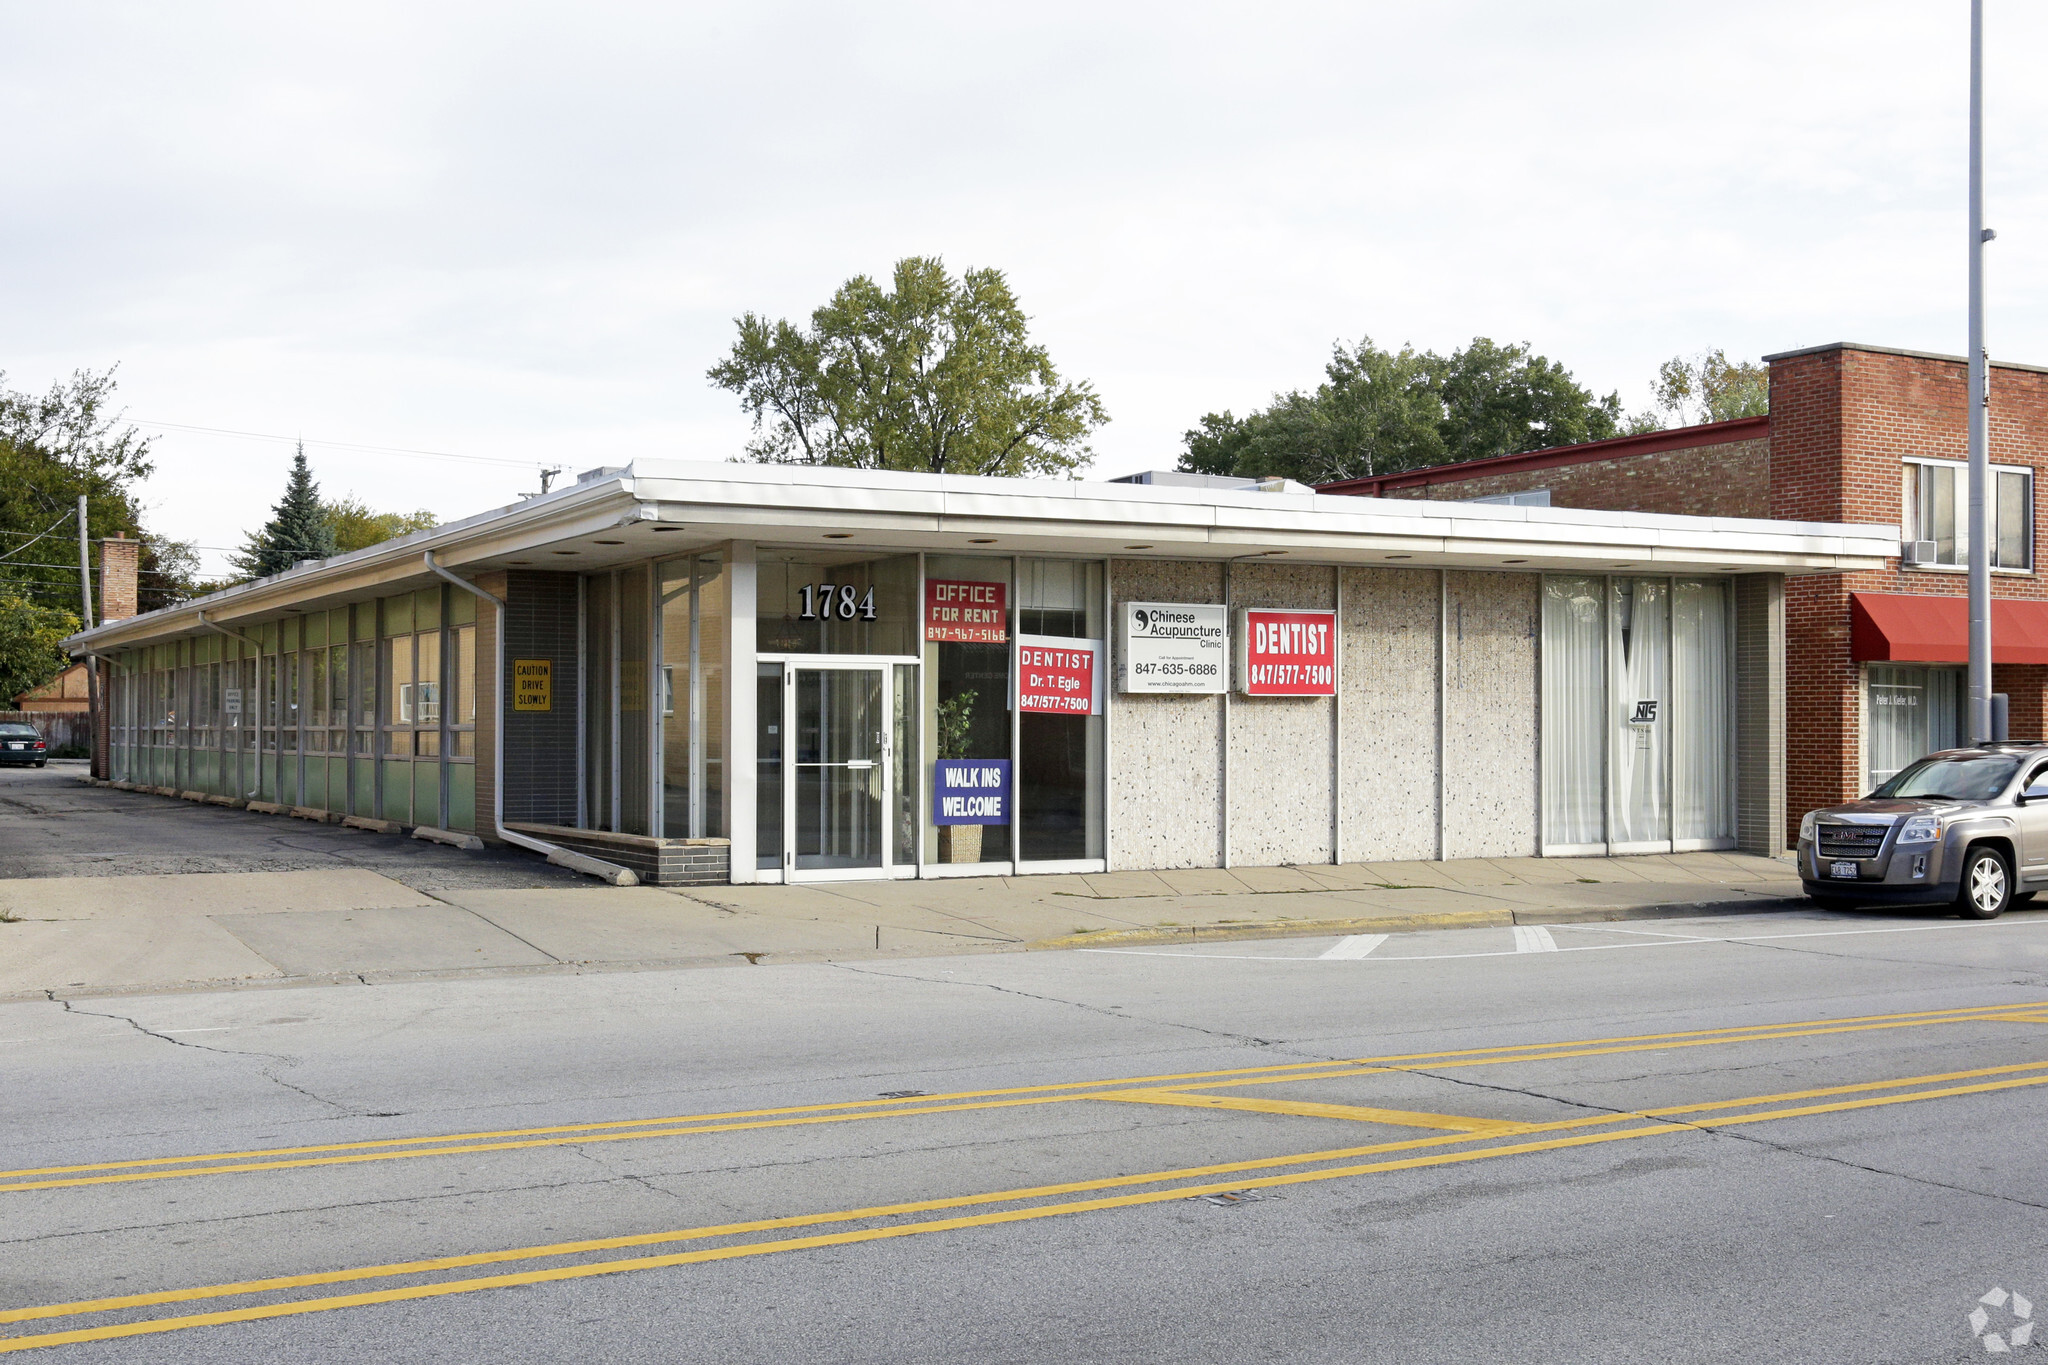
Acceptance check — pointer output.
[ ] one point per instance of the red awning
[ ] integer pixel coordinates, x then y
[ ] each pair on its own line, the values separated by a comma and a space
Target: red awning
1889, 627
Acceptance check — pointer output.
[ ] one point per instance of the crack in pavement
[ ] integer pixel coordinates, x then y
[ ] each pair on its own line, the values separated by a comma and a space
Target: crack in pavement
1247, 1039
278, 1059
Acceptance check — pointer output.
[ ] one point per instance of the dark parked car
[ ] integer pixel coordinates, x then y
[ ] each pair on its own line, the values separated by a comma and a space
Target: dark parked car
22, 744
1964, 827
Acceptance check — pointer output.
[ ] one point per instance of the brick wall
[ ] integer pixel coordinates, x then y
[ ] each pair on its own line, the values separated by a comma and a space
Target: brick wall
1842, 419
1728, 479
118, 563
540, 746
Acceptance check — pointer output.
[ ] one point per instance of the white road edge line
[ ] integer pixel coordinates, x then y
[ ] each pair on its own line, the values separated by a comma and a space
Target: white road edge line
1584, 948
1534, 938
1354, 947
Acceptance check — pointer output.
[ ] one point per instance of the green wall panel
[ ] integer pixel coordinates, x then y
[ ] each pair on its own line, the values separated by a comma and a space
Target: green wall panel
462, 796
397, 792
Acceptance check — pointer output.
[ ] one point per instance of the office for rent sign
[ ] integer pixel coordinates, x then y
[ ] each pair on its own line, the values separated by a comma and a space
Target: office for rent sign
1056, 677
1286, 653
966, 612
1172, 647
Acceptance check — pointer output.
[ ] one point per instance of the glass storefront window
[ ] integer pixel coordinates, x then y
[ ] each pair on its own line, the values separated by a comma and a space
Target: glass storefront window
693, 644
816, 602
1914, 710
768, 766
968, 700
1637, 714
636, 734
1060, 757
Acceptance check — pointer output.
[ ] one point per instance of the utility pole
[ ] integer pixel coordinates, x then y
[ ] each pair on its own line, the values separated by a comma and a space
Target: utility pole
547, 477
1979, 405
92, 664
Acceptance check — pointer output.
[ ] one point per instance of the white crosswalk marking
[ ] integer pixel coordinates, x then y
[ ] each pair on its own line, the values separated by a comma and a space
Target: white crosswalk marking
1358, 945
1533, 938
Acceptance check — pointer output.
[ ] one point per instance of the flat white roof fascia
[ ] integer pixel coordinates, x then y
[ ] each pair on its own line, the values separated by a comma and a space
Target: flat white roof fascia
1096, 517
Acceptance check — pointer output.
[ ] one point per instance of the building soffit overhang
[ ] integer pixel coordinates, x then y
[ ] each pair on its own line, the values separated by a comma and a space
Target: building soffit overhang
864, 510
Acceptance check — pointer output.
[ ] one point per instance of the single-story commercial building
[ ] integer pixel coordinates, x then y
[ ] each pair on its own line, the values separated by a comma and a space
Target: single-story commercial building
1874, 669
764, 673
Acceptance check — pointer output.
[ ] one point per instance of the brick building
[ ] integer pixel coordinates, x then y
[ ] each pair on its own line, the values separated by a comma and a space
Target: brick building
1865, 434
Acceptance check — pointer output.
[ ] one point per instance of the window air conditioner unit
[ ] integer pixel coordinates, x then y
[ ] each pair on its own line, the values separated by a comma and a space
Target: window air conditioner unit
1916, 552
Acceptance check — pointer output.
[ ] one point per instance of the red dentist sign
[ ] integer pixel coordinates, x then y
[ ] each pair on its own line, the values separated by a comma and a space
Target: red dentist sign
1286, 653
1056, 678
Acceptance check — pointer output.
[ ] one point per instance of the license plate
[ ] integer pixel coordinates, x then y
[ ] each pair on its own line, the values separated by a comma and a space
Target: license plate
1842, 870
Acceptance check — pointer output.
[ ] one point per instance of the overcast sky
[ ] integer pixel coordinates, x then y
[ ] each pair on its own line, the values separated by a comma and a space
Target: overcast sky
522, 232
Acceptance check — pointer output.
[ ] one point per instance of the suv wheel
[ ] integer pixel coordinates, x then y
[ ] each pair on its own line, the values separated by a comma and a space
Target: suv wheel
1986, 888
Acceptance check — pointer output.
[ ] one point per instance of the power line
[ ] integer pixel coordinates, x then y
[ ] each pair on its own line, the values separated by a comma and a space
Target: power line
349, 445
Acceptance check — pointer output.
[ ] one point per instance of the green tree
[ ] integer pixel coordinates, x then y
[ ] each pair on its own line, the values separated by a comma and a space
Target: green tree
30, 638
933, 374
1379, 411
1712, 388
298, 527
356, 527
68, 441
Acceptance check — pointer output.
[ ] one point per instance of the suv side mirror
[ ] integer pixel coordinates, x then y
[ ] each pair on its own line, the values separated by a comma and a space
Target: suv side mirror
2037, 792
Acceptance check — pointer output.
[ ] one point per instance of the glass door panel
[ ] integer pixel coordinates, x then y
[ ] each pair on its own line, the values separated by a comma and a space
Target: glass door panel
838, 761
1639, 707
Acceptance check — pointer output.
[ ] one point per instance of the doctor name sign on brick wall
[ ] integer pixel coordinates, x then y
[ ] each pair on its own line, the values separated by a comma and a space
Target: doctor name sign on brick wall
1286, 653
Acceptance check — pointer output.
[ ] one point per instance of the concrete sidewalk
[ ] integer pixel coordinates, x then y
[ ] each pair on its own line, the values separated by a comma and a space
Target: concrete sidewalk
85, 935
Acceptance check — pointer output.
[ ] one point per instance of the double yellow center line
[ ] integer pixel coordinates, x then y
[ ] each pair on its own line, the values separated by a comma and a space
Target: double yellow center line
1459, 1143
1153, 1088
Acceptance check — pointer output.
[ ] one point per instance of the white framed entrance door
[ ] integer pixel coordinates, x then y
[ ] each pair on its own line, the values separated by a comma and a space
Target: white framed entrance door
838, 779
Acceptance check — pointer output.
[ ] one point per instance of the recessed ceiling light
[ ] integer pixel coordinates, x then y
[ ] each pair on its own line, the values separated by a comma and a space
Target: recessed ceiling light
985, 540
568, 552
519, 562
1514, 561
1137, 547
1728, 568
839, 535
611, 542
1624, 566
1400, 556
665, 529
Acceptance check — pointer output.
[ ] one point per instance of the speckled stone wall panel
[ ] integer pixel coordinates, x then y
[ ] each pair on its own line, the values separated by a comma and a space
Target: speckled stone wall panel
1166, 752
1491, 630
1281, 786
1387, 783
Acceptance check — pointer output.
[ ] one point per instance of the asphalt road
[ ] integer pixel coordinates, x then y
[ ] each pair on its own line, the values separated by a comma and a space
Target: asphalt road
1822, 1140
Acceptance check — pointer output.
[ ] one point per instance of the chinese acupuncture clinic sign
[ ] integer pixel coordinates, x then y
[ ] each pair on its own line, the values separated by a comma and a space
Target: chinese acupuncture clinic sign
1172, 647
1286, 653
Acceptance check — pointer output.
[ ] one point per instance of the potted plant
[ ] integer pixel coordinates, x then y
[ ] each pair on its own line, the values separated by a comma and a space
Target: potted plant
957, 843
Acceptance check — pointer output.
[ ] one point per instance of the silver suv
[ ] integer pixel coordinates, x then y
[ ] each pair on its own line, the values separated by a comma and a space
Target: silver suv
1964, 827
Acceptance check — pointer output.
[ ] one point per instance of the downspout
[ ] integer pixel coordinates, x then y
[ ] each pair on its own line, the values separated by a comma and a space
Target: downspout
238, 636
561, 857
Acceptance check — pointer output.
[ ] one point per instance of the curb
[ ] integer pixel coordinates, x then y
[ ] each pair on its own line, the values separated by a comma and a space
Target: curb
1402, 924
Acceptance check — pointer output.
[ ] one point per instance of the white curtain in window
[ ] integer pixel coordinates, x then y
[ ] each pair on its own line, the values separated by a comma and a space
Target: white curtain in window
1639, 653
1701, 712
1574, 704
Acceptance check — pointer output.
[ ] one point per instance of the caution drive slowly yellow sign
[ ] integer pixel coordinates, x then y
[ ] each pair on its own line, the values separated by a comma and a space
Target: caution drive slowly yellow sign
533, 684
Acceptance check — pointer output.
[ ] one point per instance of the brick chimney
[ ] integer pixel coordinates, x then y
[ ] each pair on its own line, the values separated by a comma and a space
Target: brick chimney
118, 557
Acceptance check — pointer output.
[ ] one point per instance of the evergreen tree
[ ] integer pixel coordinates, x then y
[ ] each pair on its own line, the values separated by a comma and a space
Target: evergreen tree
298, 528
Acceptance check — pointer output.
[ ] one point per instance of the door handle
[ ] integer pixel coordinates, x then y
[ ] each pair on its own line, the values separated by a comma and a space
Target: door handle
860, 763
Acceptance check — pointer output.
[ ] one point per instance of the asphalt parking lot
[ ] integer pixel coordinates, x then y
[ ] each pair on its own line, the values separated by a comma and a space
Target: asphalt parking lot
53, 825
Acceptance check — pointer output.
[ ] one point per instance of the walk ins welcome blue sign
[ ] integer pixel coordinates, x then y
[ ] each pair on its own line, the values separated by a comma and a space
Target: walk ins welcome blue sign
971, 791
